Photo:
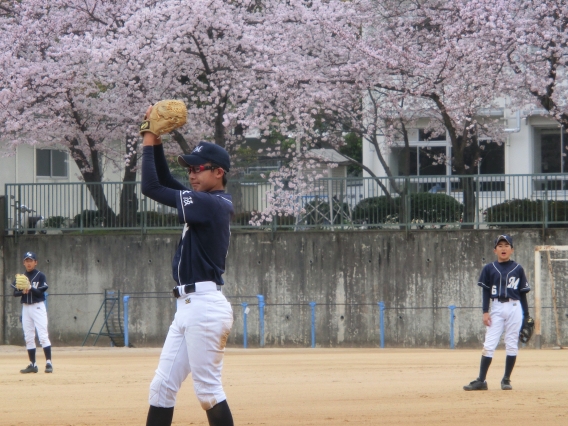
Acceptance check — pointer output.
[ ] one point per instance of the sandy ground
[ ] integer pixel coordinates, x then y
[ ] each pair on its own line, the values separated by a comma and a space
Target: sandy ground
109, 386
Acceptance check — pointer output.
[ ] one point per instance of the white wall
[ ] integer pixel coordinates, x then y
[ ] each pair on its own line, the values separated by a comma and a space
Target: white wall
21, 168
519, 146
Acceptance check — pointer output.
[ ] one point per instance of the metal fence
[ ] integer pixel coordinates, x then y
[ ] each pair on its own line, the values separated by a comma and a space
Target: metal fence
419, 202
261, 324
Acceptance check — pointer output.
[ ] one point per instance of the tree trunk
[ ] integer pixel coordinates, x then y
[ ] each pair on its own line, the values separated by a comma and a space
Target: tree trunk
128, 197
91, 172
469, 202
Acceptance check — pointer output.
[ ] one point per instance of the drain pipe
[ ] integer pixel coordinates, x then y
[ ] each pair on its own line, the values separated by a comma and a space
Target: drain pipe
518, 128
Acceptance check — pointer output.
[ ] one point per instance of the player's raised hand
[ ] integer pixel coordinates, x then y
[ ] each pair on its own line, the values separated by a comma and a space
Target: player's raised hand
487, 319
149, 138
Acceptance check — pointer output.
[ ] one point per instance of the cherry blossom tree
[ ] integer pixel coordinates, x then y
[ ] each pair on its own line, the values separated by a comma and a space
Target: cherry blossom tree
538, 53
301, 73
382, 65
54, 82
82, 72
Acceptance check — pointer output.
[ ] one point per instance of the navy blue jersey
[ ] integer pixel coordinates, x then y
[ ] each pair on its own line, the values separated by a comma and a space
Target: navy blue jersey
36, 293
205, 238
204, 243
506, 279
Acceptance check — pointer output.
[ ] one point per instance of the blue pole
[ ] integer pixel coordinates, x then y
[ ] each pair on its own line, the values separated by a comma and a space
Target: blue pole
261, 318
382, 323
452, 317
244, 305
313, 308
125, 321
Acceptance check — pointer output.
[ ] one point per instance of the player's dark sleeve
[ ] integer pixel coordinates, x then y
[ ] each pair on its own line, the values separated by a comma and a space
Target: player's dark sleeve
524, 286
17, 293
151, 186
485, 299
524, 304
163, 171
484, 279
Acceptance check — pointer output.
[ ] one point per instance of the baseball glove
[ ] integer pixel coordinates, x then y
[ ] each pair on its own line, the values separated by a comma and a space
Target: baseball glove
22, 282
527, 329
165, 117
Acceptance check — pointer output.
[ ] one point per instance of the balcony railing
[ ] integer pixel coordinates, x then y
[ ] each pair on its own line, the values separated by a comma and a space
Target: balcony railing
425, 202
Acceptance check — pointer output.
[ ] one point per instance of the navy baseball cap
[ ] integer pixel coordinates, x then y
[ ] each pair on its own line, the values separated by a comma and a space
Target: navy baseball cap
504, 237
206, 152
30, 255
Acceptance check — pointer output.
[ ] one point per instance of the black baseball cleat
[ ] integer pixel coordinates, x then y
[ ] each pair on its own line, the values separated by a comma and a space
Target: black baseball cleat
506, 384
48, 368
29, 369
476, 385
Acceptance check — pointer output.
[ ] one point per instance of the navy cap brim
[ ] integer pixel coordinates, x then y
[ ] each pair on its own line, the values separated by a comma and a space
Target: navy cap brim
191, 160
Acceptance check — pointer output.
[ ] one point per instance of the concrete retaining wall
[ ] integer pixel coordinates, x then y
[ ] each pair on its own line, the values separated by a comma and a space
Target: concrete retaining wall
418, 275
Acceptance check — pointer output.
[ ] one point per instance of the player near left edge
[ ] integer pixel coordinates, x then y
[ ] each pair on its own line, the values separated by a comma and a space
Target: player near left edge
31, 287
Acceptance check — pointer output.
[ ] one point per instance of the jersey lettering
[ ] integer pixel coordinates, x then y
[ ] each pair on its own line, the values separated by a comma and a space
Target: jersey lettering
513, 282
187, 201
494, 290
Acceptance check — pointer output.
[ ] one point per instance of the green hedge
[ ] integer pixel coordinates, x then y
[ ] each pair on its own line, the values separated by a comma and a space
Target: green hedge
523, 212
89, 218
157, 219
424, 207
435, 208
92, 219
55, 222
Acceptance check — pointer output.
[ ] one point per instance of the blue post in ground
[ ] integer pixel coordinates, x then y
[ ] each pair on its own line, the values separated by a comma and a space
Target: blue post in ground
452, 318
245, 312
125, 321
382, 323
313, 308
261, 318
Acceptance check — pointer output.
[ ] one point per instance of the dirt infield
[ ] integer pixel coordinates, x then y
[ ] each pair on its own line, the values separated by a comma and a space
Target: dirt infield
109, 386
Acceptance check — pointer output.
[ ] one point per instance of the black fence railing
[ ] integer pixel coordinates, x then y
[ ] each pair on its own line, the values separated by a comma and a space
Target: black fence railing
418, 202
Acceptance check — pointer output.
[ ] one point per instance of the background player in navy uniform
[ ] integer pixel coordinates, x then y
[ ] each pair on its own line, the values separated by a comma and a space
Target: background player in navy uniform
505, 284
197, 336
34, 314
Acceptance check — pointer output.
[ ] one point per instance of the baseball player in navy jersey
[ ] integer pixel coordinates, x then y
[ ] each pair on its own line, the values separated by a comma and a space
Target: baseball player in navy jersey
504, 284
197, 336
34, 314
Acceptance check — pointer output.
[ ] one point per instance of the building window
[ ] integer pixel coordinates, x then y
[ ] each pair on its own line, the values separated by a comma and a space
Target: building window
550, 156
51, 163
491, 161
427, 156
491, 158
550, 151
424, 161
432, 161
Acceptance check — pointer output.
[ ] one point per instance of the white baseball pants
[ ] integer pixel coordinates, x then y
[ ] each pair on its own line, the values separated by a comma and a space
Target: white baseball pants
35, 316
507, 316
195, 344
